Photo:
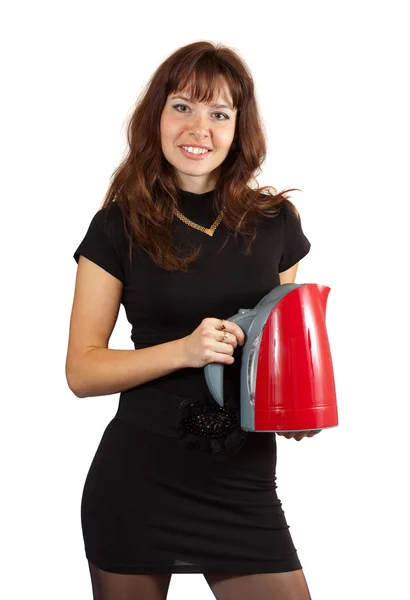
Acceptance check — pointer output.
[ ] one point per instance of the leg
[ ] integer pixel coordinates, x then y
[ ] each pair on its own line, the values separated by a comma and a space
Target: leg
114, 586
262, 586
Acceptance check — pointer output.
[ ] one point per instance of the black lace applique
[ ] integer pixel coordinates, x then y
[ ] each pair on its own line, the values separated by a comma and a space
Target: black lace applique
205, 425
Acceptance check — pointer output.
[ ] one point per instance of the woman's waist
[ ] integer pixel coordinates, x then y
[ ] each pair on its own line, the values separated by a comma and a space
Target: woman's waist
155, 401
187, 412
161, 399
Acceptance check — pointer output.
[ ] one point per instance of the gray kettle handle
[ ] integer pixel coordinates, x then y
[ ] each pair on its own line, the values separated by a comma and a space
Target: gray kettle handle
214, 372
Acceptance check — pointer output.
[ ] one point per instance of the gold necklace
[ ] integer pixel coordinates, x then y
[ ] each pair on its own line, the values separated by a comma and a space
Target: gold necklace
209, 231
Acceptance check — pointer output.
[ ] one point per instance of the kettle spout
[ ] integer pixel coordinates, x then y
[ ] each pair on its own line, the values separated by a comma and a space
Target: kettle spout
323, 294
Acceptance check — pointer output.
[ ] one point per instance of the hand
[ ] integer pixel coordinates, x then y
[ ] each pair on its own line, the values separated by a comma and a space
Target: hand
298, 435
206, 344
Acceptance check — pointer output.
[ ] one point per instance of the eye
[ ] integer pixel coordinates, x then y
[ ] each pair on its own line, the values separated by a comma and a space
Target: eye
176, 106
223, 114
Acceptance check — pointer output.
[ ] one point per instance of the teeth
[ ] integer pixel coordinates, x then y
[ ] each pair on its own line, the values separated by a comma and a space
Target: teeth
195, 150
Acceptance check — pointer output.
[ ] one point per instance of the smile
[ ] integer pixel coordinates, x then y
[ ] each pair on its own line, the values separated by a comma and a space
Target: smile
194, 153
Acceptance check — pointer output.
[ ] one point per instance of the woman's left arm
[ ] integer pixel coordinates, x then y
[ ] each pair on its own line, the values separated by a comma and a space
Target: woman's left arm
289, 275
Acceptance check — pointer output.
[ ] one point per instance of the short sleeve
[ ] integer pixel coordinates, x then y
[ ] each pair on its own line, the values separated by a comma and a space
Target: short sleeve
102, 244
295, 243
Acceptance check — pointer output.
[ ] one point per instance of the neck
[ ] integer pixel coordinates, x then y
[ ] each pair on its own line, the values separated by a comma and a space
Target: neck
198, 185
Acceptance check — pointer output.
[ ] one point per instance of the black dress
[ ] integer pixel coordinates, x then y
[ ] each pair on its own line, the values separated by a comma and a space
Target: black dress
156, 502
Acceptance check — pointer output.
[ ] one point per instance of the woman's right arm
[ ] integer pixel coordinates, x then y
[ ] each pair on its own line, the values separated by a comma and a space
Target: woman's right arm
93, 369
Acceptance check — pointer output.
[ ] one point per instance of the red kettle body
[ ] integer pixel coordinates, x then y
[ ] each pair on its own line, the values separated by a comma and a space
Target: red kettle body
287, 379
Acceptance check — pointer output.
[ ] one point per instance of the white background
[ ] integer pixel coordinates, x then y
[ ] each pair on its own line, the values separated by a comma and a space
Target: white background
331, 81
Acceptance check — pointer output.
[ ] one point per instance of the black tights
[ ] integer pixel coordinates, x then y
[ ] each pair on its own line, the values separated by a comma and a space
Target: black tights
264, 586
113, 586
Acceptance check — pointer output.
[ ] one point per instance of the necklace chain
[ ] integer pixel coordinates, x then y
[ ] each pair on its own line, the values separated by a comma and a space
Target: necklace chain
209, 231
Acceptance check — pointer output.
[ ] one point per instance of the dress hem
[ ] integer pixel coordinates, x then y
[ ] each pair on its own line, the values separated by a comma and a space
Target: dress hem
279, 566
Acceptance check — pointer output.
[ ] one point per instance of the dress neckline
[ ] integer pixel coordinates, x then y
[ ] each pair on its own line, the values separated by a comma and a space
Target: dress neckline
193, 196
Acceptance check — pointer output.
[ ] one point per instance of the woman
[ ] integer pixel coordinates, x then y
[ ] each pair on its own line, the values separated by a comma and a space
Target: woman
183, 241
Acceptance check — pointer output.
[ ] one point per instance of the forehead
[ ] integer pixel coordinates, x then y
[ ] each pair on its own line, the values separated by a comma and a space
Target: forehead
201, 89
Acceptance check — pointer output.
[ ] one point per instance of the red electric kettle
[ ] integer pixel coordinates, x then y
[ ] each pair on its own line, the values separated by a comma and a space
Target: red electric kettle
287, 380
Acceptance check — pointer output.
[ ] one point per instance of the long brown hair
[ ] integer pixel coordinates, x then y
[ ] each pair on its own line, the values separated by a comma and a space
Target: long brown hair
145, 186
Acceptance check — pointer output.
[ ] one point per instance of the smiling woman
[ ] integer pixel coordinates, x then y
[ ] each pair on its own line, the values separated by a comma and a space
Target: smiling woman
197, 140
183, 241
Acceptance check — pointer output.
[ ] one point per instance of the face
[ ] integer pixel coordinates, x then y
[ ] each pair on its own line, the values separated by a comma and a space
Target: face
186, 125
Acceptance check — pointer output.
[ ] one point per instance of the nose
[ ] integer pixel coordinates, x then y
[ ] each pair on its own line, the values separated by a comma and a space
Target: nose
198, 126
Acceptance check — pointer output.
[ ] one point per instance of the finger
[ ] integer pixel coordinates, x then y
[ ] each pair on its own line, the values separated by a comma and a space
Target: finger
241, 337
238, 335
232, 328
314, 432
224, 334
226, 338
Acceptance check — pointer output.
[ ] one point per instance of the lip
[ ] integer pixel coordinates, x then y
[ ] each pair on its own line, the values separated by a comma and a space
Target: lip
196, 146
194, 156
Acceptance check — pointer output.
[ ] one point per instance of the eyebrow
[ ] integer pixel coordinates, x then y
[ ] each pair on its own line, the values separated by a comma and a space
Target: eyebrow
212, 105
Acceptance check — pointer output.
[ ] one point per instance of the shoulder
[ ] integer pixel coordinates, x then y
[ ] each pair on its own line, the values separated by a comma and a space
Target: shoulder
289, 210
282, 215
111, 212
276, 205
110, 219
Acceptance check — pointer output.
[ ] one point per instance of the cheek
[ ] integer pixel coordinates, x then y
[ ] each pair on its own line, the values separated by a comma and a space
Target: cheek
225, 139
170, 130
226, 134
165, 123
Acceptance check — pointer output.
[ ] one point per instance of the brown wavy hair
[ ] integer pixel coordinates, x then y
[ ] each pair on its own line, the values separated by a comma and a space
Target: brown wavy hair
145, 186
